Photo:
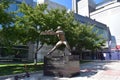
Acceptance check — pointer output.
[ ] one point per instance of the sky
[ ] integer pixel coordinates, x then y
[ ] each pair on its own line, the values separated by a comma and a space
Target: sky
68, 3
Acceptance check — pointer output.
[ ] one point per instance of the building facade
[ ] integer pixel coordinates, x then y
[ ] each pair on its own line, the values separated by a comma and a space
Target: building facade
50, 3
106, 12
100, 27
25, 49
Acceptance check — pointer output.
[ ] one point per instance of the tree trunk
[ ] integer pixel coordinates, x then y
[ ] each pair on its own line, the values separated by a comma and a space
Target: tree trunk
36, 52
35, 58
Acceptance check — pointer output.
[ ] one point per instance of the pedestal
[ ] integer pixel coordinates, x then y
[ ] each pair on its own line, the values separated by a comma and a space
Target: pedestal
61, 66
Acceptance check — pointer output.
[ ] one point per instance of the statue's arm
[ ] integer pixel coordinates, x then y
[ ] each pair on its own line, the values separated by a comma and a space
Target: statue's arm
49, 32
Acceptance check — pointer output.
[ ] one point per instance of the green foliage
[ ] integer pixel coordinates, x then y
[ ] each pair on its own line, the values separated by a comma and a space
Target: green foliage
46, 20
56, 17
87, 39
28, 23
4, 4
5, 17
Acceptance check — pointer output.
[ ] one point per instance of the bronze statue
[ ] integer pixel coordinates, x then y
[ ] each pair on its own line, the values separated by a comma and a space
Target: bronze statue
62, 40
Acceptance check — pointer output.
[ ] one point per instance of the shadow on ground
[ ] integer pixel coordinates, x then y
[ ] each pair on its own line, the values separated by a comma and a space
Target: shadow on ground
91, 68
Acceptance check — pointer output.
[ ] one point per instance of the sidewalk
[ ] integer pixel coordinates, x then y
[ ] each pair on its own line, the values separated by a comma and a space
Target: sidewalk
97, 70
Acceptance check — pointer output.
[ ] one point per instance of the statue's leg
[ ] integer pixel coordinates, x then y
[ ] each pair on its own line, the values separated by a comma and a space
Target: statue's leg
67, 46
56, 46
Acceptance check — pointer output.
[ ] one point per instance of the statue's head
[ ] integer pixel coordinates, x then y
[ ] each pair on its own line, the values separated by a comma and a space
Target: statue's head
59, 27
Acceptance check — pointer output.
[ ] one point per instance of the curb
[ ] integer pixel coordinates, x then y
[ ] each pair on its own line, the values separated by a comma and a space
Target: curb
10, 76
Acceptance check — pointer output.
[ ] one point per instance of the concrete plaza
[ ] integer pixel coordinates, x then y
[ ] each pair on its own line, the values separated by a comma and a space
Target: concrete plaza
96, 70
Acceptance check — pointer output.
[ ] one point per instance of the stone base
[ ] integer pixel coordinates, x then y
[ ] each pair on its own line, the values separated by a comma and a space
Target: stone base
61, 66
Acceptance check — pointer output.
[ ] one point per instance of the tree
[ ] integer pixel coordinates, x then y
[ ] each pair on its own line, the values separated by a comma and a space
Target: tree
6, 21
39, 16
5, 16
88, 39
29, 25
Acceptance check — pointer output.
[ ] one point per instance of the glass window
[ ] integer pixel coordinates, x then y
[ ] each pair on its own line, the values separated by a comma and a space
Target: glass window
13, 7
